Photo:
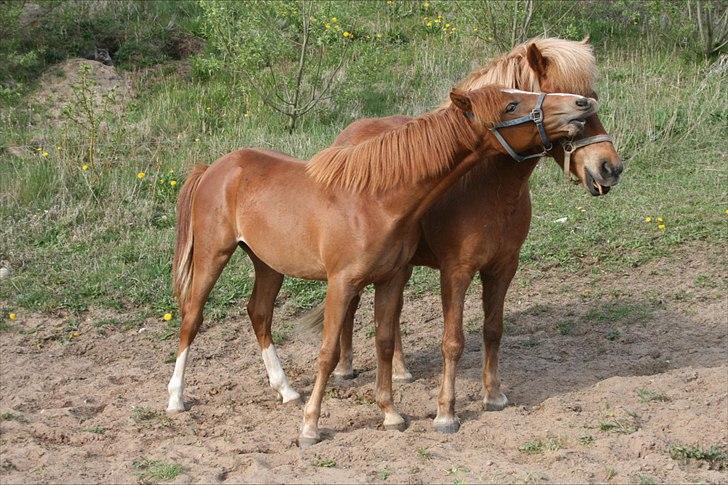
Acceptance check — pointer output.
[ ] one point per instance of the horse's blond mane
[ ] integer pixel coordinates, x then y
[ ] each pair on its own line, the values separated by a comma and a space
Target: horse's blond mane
420, 149
572, 68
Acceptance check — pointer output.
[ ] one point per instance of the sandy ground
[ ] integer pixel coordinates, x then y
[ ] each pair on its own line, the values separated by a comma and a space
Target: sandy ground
577, 351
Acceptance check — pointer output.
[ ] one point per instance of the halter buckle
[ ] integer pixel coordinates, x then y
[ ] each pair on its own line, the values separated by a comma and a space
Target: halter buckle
537, 115
568, 147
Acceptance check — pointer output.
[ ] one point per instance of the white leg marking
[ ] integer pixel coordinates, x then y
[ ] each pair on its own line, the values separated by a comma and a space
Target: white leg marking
276, 376
176, 385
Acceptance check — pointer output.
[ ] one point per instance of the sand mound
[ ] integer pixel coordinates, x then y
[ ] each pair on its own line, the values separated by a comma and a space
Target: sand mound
57, 88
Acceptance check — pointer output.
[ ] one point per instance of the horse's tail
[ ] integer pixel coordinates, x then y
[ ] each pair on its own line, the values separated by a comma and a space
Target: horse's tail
311, 322
182, 263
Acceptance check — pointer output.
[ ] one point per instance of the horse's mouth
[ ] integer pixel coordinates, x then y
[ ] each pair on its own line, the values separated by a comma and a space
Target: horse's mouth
578, 123
595, 188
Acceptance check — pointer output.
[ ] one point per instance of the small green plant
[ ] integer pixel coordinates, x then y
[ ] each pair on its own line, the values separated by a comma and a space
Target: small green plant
141, 415
565, 327
324, 462
646, 480
424, 453
86, 112
613, 335
622, 426
713, 455
586, 439
384, 473
150, 470
609, 473
649, 395
540, 445
8, 416
98, 429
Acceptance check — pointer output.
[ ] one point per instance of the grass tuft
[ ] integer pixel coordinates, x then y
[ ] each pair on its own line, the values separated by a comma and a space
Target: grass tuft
156, 469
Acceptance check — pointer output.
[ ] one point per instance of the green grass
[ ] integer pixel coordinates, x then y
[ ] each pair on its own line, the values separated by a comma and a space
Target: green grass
322, 462
714, 455
650, 395
538, 446
154, 470
104, 239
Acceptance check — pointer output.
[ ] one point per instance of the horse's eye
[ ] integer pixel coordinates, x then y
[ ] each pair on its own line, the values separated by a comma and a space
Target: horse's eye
511, 107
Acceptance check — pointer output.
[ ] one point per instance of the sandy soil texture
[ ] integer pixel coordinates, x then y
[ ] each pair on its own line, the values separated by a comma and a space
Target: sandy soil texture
612, 376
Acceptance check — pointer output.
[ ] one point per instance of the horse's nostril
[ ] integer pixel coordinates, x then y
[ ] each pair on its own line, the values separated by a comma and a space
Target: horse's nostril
618, 170
582, 102
605, 169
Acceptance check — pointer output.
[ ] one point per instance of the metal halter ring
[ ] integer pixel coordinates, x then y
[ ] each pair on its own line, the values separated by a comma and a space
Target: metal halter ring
571, 146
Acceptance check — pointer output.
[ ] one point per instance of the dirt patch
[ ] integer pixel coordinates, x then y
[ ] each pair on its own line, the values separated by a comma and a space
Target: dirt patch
616, 377
56, 85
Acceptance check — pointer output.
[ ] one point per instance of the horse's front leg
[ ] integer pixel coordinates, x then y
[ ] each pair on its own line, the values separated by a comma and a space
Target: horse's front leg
495, 286
387, 298
338, 298
454, 282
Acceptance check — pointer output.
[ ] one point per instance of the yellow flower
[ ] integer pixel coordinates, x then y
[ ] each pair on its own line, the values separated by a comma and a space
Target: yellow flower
429, 24
197, 139
45, 153
661, 227
39, 149
167, 317
327, 26
726, 211
141, 175
334, 20
660, 219
346, 34
85, 167
447, 26
12, 316
648, 219
475, 29
173, 183
426, 4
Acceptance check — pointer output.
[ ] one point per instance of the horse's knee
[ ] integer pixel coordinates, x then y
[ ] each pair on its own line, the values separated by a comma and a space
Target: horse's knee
385, 346
452, 348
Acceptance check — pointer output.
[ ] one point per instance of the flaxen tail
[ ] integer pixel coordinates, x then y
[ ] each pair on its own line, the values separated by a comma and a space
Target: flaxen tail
182, 264
311, 323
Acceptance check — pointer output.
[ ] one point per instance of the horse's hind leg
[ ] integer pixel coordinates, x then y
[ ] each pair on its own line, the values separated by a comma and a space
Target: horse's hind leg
345, 369
260, 309
208, 264
495, 286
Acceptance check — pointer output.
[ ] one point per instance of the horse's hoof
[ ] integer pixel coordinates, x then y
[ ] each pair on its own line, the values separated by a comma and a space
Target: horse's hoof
395, 423
345, 376
294, 402
497, 404
176, 408
307, 441
446, 425
403, 378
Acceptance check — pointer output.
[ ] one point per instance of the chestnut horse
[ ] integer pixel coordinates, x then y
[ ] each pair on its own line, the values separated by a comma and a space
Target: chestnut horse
480, 224
349, 217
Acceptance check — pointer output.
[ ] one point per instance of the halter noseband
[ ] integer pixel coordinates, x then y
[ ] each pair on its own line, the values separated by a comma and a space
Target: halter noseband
571, 146
536, 116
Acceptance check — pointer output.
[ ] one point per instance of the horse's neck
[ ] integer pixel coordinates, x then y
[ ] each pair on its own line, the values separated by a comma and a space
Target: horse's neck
409, 204
501, 175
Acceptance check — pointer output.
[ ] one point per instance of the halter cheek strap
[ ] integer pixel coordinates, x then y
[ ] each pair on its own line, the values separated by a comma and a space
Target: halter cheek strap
572, 146
536, 116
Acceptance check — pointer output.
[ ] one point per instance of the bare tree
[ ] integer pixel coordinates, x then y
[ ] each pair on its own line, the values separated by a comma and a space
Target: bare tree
711, 25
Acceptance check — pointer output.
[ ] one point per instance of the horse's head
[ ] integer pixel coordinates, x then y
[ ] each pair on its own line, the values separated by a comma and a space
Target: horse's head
520, 120
591, 157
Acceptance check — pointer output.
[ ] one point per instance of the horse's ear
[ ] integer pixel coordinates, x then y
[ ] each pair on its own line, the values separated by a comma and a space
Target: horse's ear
585, 40
461, 100
537, 61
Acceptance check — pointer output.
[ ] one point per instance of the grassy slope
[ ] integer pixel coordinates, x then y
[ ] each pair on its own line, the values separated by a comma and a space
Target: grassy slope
71, 250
